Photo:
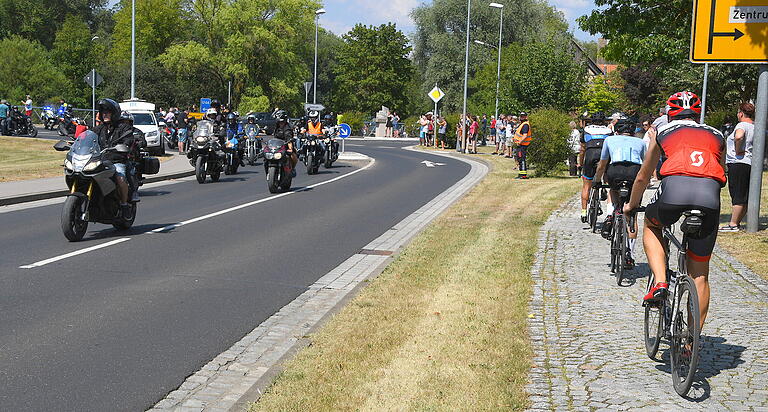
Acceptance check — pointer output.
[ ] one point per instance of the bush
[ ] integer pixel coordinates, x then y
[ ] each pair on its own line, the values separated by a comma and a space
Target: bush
411, 125
355, 120
549, 147
718, 118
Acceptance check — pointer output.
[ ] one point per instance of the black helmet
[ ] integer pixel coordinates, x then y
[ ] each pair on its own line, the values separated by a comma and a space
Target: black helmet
625, 125
215, 104
251, 119
126, 116
110, 106
231, 119
281, 116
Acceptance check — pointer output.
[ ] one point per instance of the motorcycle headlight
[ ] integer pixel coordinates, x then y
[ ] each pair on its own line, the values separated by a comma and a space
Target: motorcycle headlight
230, 144
278, 156
269, 155
152, 133
313, 143
327, 140
68, 165
201, 139
80, 161
91, 166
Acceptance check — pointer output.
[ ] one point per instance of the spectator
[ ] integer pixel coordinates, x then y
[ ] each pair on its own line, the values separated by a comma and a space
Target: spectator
501, 130
662, 119
430, 129
181, 125
474, 130
738, 158
162, 112
493, 130
388, 129
442, 128
423, 128
28, 106
4, 117
646, 137
574, 168
396, 124
484, 131
510, 133
459, 137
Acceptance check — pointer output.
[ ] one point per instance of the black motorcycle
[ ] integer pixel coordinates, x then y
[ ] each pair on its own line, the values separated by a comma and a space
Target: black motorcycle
205, 152
277, 165
91, 179
312, 152
232, 150
21, 125
330, 148
68, 124
253, 144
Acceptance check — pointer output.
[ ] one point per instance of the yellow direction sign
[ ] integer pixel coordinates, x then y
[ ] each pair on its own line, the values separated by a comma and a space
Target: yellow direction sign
436, 94
729, 31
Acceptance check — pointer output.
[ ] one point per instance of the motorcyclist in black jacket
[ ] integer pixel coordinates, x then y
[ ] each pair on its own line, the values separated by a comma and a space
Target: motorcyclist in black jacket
113, 132
284, 131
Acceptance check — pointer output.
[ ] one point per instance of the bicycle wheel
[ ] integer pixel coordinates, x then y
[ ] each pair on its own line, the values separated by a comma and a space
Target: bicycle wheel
621, 234
594, 205
685, 335
653, 327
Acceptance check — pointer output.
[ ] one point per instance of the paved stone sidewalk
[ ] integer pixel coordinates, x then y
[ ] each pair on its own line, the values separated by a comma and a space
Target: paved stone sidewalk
587, 331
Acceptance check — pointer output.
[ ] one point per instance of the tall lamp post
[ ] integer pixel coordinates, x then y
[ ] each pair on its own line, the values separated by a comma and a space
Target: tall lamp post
498, 51
133, 49
93, 90
466, 78
317, 21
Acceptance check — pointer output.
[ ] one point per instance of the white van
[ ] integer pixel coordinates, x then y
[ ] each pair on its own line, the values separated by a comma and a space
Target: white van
144, 120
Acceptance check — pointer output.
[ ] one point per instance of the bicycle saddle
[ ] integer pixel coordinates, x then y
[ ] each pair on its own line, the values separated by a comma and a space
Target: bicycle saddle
693, 221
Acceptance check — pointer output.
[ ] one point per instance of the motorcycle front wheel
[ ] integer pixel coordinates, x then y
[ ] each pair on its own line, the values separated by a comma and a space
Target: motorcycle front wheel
62, 130
200, 169
272, 182
215, 175
32, 130
72, 225
328, 160
310, 163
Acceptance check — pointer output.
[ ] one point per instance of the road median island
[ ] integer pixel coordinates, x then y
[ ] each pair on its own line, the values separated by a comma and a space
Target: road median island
445, 325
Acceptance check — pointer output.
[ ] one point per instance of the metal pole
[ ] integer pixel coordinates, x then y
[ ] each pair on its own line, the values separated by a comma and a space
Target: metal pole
466, 77
498, 67
704, 93
314, 92
758, 151
133, 49
93, 96
229, 94
434, 127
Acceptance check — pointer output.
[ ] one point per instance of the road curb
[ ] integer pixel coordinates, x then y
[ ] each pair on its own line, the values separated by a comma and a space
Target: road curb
242, 373
31, 197
383, 139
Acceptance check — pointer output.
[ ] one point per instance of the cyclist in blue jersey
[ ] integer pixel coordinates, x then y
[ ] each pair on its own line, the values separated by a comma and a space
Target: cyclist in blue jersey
620, 160
589, 155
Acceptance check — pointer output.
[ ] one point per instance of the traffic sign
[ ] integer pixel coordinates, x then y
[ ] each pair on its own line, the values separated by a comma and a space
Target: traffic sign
729, 31
92, 81
344, 130
313, 106
205, 104
436, 94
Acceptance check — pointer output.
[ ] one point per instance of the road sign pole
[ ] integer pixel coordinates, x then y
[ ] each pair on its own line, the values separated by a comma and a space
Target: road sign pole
704, 93
93, 96
466, 80
758, 151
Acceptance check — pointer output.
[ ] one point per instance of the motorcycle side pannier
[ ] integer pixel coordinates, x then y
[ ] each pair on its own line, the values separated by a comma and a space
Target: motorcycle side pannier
151, 166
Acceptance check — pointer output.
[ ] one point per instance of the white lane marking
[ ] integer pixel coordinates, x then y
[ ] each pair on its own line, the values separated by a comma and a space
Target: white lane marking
197, 219
75, 253
432, 164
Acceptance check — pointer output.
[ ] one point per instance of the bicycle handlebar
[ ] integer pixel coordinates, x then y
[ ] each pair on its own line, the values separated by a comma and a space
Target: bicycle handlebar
633, 217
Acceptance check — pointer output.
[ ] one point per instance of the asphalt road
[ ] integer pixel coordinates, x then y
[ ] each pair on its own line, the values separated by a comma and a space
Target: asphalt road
118, 327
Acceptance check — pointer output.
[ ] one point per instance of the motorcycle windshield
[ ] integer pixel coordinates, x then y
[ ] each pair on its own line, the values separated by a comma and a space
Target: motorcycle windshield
204, 129
275, 143
251, 131
87, 143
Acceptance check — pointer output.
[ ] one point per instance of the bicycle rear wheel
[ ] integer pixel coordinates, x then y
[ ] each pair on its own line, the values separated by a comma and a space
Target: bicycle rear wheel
652, 332
621, 235
593, 209
685, 335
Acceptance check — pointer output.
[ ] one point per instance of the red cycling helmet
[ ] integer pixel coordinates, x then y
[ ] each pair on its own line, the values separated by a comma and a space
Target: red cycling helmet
683, 104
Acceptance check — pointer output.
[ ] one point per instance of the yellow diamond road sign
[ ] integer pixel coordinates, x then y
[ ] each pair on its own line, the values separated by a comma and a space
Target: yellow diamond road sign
436, 94
729, 31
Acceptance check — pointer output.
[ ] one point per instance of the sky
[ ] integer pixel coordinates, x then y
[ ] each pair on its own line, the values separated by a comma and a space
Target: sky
341, 15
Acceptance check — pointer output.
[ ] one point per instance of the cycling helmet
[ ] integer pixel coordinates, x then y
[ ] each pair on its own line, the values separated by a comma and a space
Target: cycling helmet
625, 125
108, 106
251, 119
683, 104
232, 119
126, 116
211, 114
281, 116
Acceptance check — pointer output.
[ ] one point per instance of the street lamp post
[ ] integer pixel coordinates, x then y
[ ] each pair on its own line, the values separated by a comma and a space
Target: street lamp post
466, 78
498, 51
317, 21
93, 90
133, 49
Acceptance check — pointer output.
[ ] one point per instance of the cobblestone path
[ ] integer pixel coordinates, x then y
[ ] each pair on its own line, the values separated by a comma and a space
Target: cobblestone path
587, 332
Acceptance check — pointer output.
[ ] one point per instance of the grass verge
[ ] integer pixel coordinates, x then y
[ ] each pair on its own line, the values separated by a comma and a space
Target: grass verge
749, 248
444, 327
24, 158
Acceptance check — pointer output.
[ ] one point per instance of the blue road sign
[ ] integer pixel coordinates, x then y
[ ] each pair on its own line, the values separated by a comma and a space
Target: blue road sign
205, 104
344, 131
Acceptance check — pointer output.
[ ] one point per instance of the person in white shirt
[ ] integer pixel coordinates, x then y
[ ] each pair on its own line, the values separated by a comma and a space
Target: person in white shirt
574, 142
738, 158
501, 133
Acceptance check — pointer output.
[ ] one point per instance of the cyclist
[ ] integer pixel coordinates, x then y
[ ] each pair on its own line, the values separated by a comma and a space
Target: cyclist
620, 160
692, 174
589, 155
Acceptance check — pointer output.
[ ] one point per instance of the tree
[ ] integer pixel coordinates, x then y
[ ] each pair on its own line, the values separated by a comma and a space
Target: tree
641, 86
39, 19
373, 69
158, 24
599, 97
75, 55
27, 69
439, 41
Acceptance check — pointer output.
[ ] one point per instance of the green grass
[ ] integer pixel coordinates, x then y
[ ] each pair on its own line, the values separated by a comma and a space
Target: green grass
24, 158
444, 327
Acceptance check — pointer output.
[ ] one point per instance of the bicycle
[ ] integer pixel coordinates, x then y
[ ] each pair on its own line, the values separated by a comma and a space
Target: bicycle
619, 236
676, 317
593, 207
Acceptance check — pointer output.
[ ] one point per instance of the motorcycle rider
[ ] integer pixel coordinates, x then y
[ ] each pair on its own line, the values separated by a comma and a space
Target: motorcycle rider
139, 142
314, 125
234, 131
284, 131
111, 132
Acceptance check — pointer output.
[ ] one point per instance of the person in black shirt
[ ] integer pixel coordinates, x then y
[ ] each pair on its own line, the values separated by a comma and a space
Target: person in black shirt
182, 128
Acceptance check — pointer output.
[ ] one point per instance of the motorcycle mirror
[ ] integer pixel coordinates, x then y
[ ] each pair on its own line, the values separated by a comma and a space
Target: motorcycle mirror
121, 148
61, 146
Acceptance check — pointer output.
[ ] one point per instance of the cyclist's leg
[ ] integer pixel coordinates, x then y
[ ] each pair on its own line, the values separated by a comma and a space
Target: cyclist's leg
590, 167
698, 256
657, 215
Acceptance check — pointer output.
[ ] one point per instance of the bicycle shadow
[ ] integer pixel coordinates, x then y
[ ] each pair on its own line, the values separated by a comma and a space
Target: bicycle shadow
716, 356
631, 277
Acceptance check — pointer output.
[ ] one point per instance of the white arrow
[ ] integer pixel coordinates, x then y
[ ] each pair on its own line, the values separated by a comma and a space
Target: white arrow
432, 164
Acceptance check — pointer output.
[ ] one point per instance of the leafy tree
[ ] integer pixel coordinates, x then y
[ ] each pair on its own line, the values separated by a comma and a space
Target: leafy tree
329, 46
39, 19
599, 97
27, 69
641, 86
373, 69
158, 24
75, 55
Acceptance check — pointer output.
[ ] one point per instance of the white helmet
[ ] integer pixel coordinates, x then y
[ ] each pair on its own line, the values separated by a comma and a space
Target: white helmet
314, 114
211, 112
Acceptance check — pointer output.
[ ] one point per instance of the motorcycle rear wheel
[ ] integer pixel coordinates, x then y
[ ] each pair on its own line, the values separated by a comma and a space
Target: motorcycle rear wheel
72, 225
200, 170
125, 224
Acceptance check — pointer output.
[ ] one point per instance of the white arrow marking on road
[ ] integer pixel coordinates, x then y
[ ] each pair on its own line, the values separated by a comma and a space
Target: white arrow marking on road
432, 164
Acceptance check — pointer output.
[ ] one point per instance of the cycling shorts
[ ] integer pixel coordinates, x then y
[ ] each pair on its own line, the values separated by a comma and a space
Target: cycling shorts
620, 171
591, 159
677, 194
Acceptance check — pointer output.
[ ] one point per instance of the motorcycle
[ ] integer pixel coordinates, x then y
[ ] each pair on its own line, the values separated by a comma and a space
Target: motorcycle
312, 152
252, 144
91, 179
68, 124
205, 153
21, 125
330, 147
171, 136
277, 165
49, 117
231, 148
